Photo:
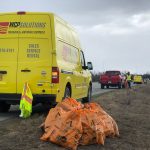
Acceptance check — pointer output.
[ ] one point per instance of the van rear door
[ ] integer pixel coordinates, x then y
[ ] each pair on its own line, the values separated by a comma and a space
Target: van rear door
34, 57
8, 52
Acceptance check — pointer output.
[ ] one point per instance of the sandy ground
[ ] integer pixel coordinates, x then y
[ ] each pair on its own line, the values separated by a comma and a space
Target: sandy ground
130, 109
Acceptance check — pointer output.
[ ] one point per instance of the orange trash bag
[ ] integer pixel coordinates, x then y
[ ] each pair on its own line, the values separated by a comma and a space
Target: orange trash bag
71, 123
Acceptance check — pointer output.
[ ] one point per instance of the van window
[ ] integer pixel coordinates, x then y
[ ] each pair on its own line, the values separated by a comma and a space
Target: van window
82, 60
74, 55
63, 52
66, 53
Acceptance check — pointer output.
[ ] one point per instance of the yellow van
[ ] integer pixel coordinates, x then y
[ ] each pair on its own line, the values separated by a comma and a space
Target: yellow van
137, 79
43, 50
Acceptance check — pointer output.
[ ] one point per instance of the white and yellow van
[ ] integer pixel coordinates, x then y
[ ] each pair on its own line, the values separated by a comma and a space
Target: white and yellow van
43, 50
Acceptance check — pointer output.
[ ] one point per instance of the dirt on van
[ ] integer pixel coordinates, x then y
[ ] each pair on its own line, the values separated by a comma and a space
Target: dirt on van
129, 107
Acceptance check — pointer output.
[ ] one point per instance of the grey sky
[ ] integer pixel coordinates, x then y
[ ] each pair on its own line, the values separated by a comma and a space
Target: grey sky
114, 33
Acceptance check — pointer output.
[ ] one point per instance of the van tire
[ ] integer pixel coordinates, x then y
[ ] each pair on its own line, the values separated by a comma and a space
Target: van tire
67, 92
89, 95
4, 107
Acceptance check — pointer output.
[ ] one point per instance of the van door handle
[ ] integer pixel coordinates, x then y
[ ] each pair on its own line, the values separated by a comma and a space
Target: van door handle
3, 72
25, 70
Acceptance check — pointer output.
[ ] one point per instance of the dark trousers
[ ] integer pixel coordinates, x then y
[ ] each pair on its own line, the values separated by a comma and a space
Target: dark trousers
129, 84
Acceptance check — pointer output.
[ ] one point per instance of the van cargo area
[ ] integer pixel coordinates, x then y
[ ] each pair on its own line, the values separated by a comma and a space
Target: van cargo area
43, 50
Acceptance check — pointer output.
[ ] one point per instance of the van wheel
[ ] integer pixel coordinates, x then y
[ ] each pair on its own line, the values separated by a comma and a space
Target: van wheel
107, 86
89, 95
67, 92
4, 107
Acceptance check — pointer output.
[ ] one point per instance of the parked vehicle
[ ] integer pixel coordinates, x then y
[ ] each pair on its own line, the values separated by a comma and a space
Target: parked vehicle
137, 79
43, 50
112, 78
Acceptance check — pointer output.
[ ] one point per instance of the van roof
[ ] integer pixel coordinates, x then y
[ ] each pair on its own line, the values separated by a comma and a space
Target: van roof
37, 13
10, 13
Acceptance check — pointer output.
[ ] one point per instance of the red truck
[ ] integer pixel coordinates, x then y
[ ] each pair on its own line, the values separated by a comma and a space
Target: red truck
112, 78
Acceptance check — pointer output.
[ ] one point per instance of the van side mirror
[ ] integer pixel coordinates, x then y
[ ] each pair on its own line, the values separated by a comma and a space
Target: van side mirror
89, 65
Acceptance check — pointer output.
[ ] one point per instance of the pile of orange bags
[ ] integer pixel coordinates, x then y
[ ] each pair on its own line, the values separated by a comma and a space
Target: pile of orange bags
71, 123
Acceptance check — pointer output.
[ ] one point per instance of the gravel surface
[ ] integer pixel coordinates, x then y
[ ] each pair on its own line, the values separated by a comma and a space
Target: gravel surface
129, 107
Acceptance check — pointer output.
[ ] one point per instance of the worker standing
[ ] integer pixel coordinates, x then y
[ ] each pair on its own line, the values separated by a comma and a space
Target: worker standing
129, 79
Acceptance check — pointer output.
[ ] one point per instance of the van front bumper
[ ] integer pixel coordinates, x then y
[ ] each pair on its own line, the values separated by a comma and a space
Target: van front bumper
14, 99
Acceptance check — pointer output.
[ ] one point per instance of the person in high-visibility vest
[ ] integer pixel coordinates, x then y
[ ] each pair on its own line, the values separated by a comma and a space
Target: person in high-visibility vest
129, 79
26, 102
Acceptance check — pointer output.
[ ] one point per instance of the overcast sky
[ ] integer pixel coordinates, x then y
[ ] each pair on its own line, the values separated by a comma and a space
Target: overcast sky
115, 34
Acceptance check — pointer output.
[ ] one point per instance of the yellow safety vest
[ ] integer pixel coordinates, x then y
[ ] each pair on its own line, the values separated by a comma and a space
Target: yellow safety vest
129, 78
26, 101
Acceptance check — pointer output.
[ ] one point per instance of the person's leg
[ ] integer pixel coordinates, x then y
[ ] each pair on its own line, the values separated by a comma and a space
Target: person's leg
129, 83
